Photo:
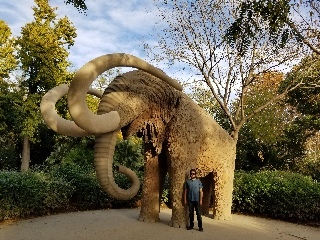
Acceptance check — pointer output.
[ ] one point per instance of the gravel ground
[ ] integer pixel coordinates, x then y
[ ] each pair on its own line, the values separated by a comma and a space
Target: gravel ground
116, 224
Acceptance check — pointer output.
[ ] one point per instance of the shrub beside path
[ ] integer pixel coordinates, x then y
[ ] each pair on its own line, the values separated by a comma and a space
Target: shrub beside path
116, 224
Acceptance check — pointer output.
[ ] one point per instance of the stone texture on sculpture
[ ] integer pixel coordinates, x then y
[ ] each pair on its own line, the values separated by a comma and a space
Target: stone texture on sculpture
178, 136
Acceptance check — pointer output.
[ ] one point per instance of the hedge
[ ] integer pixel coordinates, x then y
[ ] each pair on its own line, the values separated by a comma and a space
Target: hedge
277, 194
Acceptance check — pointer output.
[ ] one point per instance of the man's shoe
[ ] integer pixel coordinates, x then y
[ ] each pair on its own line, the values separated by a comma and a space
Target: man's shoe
189, 228
201, 229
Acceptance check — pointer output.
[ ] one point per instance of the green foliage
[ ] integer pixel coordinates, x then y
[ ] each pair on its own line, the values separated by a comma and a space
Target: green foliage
310, 163
277, 20
277, 194
250, 15
165, 197
262, 138
253, 154
8, 62
72, 151
86, 192
78, 4
31, 194
10, 117
306, 99
205, 99
60, 188
42, 48
73, 161
43, 60
130, 153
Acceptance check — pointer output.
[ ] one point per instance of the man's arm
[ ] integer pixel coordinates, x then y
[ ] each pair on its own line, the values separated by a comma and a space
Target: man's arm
201, 195
185, 196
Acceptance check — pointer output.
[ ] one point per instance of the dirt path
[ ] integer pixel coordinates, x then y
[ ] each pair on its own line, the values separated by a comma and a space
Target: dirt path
122, 224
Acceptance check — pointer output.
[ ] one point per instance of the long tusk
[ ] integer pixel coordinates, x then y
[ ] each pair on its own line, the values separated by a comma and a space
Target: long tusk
84, 77
53, 120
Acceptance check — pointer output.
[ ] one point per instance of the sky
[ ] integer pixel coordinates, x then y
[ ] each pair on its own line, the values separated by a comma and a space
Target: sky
109, 26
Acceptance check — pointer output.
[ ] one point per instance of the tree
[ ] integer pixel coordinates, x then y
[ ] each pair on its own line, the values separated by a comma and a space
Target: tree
8, 61
9, 99
10, 112
203, 97
306, 99
44, 64
284, 20
261, 139
194, 34
268, 125
306, 102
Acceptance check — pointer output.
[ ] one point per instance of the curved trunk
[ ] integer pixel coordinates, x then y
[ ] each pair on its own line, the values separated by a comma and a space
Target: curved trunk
105, 145
103, 159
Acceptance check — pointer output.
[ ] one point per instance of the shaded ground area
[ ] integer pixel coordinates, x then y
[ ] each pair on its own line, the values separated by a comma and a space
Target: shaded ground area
122, 224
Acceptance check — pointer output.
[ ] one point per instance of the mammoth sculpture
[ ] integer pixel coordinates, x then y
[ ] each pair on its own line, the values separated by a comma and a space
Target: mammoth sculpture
177, 133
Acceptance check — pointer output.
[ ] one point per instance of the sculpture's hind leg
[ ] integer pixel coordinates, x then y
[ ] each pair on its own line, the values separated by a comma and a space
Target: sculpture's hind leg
223, 180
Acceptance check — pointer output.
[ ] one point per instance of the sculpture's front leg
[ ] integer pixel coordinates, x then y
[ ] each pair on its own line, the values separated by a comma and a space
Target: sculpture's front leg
179, 217
150, 203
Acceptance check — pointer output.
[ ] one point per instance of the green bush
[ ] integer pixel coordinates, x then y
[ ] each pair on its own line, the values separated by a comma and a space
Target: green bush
77, 151
31, 193
87, 193
277, 194
61, 188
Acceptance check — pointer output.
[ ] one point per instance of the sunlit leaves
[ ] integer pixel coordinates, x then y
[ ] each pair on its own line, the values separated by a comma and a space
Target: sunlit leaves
42, 48
8, 62
306, 98
268, 125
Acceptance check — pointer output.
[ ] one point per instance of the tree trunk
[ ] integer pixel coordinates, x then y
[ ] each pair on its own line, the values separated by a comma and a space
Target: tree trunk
25, 154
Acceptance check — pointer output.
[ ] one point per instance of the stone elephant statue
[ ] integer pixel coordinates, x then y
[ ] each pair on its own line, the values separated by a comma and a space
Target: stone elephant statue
178, 135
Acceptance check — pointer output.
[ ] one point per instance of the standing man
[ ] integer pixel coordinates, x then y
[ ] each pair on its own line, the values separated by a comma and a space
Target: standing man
193, 197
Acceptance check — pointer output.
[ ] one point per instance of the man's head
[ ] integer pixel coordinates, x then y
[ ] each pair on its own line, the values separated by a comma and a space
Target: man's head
192, 173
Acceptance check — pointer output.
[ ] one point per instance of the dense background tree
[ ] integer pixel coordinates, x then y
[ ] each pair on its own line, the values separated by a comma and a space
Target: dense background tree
284, 20
306, 102
259, 142
10, 100
43, 55
10, 112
